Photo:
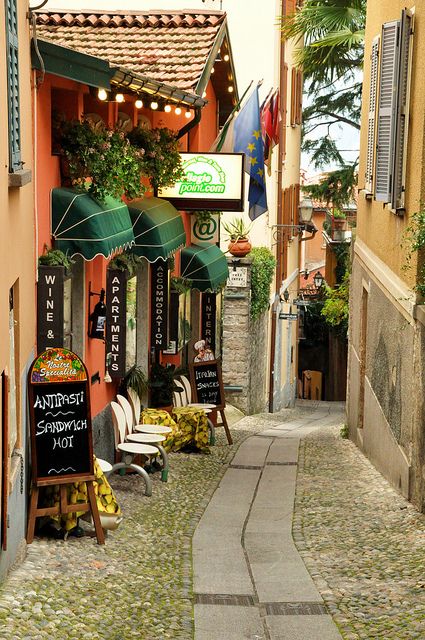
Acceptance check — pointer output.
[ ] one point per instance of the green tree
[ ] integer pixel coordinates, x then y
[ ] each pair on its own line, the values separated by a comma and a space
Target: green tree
331, 56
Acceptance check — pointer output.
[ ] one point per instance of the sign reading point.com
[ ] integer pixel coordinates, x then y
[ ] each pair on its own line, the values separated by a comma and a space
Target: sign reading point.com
211, 181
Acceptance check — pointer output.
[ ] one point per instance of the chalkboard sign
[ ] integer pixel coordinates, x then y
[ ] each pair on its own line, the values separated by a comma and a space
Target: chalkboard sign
207, 383
61, 436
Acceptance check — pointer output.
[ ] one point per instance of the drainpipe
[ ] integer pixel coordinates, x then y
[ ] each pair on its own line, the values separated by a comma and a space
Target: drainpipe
276, 305
187, 127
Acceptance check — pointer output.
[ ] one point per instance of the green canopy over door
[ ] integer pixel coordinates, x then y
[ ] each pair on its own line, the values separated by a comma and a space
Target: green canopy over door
158, 228
205, 266
82, 225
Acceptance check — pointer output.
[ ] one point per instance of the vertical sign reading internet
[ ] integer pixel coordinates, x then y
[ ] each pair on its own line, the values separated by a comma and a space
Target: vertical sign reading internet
61, 435
207, 383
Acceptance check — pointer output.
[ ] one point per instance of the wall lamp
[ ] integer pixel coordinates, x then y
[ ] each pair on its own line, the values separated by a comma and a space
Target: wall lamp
318, 280
97, 318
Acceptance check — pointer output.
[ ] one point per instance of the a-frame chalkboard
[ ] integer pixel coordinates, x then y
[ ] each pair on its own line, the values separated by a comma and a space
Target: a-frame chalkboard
61, 432
207, 388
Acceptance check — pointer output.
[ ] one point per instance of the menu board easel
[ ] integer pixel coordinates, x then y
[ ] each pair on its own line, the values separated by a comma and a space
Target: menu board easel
61, 434
207, 388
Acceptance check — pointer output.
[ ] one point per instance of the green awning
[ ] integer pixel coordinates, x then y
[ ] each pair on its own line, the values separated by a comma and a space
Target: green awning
158, 228
205, 266
68, 63
82, 225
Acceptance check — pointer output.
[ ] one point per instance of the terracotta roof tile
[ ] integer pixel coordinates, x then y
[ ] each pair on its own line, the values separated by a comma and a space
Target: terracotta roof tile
169, 47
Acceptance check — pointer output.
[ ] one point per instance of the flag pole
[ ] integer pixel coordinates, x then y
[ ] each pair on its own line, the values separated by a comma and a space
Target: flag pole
230, 118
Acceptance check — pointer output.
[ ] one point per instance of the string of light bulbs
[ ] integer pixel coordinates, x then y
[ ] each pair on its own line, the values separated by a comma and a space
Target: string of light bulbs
154, 105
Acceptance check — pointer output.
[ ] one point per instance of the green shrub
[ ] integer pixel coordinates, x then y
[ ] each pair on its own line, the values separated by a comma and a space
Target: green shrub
263, 266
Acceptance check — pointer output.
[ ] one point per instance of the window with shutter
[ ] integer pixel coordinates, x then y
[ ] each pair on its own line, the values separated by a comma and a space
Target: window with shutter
401, 111
372, 114
290, 7
387, 76
293, 97
299, 97
13, 86
284, 102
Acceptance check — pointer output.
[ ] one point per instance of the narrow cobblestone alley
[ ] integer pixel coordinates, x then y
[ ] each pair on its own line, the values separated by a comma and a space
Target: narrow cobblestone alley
361, 542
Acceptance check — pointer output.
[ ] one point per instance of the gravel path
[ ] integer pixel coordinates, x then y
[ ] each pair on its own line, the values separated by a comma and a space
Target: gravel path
139, 585
362, 542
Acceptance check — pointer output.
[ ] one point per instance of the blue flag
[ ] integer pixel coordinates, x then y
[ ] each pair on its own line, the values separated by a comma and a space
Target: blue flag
247, 139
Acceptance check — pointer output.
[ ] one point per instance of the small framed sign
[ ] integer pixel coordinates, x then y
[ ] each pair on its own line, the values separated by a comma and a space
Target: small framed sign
207, 383
211, 181
238, 277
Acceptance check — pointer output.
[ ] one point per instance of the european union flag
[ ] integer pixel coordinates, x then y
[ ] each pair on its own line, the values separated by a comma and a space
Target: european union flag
247, 139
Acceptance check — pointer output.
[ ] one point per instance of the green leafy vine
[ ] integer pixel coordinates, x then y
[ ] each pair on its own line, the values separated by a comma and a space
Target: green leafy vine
262, 271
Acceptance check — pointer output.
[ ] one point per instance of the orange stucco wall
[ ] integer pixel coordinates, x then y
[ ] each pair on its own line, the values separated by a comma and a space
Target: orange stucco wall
73, 100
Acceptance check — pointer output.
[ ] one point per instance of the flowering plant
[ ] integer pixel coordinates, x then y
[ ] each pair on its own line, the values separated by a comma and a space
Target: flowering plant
105, 156
161, 159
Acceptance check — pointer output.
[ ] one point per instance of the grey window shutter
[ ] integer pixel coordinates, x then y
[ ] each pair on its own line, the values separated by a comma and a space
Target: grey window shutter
401, 115
13, 86
386, 109
373, 91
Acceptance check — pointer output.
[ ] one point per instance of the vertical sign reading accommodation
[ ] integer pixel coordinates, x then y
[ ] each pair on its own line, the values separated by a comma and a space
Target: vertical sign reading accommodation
116, 321
61, 435
208, 318
50, 307
159, 304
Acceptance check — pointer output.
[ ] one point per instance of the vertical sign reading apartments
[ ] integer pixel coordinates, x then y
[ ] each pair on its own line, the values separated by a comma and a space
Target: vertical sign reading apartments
116, 321
159, 304
49, 307
208, 318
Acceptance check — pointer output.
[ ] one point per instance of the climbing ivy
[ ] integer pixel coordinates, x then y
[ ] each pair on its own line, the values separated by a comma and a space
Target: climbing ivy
263, 266
336, 306
414, 241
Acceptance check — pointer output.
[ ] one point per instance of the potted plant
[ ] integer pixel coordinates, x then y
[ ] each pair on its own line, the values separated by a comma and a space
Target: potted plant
162, 386
160, 155
100, 161
135, 379
55, 258
237, 232
339, 224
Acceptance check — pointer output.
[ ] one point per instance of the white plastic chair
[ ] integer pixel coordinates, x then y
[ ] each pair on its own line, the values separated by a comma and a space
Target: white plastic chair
129, 450
141, 438
179, 397
136, 405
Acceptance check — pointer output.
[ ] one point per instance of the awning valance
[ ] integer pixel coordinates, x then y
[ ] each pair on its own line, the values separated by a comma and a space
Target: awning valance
158, 228
205, 266
84, 226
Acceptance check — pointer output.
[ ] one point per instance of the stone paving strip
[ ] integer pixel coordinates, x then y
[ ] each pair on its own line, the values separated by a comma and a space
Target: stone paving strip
363, 543
139, 585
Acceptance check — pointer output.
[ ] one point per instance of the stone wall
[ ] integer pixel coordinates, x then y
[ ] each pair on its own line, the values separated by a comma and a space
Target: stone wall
244, 345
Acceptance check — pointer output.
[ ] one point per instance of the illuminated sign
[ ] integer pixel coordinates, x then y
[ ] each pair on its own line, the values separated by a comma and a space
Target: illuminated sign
211, 181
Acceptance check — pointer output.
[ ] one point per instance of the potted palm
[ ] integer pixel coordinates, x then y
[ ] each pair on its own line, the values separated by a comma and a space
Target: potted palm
237, 232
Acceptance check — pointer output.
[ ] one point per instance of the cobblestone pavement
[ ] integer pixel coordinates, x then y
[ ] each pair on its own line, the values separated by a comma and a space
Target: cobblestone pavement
139, 585
362, 542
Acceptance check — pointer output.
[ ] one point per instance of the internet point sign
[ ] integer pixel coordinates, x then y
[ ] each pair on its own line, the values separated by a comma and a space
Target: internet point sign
212, 181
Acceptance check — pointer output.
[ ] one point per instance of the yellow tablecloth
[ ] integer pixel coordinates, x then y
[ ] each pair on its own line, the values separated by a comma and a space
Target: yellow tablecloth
77, 492
189, 427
